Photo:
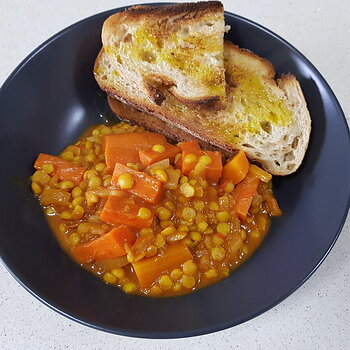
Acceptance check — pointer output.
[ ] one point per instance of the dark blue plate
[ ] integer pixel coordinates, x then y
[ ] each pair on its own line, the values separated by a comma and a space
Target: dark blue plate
52, 97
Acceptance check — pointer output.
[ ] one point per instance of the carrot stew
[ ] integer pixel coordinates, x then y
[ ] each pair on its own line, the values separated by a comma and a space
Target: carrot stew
151, 217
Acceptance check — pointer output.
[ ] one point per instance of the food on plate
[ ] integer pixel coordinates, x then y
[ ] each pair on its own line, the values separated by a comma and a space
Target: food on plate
180, 197
266, 118
179, 45
161, 219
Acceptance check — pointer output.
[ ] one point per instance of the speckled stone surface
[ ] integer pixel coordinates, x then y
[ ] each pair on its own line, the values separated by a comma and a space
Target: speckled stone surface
317, 315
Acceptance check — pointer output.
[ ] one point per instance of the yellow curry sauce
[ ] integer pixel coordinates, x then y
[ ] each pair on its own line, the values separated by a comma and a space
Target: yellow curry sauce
190, 236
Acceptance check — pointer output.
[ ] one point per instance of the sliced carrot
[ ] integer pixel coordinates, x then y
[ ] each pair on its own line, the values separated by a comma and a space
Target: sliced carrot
259, 173
242, 206
124, 148
133, 140
110, 245
64, 169
122, 210
115, 155
145, 186
211, 172
178, 162
243, 195
190, 146
44, 158
189, 161
149, 269
149, 156
248, 187
223, 185
236, 169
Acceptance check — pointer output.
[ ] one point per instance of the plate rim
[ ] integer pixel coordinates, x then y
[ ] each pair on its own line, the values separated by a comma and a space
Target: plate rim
199, 331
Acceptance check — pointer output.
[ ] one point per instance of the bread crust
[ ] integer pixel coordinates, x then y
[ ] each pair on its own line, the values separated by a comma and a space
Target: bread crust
259, 64
188, 10
185, 12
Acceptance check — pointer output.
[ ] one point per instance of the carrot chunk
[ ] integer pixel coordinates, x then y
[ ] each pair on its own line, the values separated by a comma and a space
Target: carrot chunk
213, 171
110, 245
64, 169
144, 186
149, 156
124, 148
193, 162
190, 146
242, 206
171, 257
115, 155
133, 140
259, 173
121, 210
243, 195
236, 169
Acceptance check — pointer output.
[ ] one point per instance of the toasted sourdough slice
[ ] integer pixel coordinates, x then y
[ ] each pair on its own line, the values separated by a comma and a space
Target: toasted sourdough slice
177, 46
268, 119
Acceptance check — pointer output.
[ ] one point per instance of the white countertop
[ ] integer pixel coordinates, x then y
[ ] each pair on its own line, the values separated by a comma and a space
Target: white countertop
317, 315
